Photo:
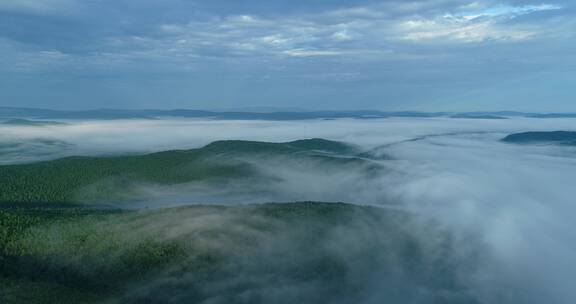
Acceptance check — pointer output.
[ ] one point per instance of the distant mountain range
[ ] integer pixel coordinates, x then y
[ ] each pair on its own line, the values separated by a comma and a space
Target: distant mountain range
107, 114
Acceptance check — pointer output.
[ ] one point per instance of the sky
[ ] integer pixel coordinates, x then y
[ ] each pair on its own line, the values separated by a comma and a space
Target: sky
435, 55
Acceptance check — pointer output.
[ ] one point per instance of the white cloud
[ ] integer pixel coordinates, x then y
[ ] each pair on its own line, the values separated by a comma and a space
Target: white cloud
479, 25
276, 40
343, 36
509, 11
446, 29
245, 18
310, 53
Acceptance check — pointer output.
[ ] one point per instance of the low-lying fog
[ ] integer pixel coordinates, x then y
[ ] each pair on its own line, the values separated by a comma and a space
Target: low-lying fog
141, 136
519, 198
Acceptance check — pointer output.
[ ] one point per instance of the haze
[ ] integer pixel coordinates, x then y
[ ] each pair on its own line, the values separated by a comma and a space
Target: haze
287, 151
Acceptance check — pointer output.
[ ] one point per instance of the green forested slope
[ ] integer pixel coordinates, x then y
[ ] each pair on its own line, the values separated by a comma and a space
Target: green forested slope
273, 253
92, 179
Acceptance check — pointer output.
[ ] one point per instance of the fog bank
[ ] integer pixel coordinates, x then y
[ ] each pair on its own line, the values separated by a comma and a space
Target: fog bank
517, 199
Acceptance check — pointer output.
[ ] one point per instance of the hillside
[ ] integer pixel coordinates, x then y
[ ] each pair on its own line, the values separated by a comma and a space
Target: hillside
553, 137
31, 123
97, 179
272, 253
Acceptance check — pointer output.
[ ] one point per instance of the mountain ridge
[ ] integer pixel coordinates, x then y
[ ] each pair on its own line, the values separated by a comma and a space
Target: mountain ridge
543, 137
112, 114
63, 180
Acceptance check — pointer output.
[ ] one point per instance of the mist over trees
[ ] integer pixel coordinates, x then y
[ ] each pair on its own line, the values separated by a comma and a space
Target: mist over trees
444, 213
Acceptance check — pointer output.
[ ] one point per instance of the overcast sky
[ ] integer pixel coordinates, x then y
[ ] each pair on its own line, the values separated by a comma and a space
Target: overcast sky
314, 54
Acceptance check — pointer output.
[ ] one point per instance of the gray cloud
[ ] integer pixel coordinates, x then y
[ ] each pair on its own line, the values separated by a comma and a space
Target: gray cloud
377, 54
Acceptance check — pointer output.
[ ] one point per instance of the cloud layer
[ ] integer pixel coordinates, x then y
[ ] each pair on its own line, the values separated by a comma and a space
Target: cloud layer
375, 54
516, 200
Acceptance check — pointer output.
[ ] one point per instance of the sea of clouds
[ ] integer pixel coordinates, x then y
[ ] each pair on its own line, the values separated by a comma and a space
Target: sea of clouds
518, 199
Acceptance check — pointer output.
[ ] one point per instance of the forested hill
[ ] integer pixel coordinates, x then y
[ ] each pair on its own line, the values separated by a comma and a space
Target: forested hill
177, 255
92, 179
553, 137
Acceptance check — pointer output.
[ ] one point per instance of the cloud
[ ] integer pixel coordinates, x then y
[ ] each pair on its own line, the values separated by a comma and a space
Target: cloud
352, 31
516, 202
462, 31
93, 137
509, 11
480, 25
409, 54
310, 53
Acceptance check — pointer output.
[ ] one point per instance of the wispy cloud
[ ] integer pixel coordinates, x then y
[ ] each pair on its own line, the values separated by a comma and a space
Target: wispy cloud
355, 31
479, 25
462, 30
348, 31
